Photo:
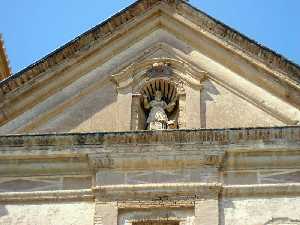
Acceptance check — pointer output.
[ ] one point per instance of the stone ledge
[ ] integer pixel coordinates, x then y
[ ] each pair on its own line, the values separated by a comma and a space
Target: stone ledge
267, 190
209, 137
166, 191
155, 204
78, 195
154, 195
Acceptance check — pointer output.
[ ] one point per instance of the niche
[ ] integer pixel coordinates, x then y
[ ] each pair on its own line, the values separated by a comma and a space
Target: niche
156, 106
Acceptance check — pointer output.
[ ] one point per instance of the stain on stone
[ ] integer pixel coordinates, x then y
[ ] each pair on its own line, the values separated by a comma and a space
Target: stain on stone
282, 220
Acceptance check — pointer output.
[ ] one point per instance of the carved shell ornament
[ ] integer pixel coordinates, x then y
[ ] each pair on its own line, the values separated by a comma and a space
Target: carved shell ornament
159, 99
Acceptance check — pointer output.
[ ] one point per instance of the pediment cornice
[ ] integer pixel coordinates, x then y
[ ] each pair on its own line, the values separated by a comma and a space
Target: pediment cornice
289, 71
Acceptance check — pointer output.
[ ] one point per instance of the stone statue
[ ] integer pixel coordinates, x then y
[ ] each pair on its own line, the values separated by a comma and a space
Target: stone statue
158, 119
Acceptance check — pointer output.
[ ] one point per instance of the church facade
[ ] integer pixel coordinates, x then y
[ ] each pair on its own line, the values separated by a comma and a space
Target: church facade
160, 115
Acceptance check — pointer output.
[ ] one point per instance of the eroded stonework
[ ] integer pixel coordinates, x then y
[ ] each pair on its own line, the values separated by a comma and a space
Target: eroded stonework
160, 115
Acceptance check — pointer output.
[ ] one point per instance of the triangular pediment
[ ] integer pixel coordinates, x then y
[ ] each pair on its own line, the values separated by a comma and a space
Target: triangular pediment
78, 87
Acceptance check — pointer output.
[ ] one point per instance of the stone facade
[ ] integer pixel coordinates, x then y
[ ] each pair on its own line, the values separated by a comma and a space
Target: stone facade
159, 116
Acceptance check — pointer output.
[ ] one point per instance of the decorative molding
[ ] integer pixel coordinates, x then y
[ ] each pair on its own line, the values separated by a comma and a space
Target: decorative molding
139, 73
290, 70
225, 136
154, 195
160, 69
83, 42
156, 204
288, 189
80, 195
165, 191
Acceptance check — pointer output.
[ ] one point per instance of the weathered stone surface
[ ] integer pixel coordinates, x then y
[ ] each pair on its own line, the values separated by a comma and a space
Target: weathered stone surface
253, 211
112, 172
49, 214
106, 213
160, 216
79, 94
207, 212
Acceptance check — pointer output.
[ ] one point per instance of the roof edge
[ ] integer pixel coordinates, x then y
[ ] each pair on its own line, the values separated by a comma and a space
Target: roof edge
107, 27
250, 42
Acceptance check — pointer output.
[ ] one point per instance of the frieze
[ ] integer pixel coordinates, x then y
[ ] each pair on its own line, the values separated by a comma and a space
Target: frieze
196, 136
153, 195
159, 192
126, 157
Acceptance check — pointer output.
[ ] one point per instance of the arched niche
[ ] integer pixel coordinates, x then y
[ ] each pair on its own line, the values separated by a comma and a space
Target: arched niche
169, 97
170, 76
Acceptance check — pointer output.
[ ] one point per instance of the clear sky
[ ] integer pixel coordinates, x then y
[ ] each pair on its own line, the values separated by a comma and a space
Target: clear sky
34, 28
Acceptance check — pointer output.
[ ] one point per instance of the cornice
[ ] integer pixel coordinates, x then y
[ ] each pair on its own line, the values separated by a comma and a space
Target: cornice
82, 42
220, 137
166, 191
266, 190
156, 204
290, 71
154, 195
77, 195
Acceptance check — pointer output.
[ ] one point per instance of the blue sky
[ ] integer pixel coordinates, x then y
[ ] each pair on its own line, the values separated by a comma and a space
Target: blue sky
34, 28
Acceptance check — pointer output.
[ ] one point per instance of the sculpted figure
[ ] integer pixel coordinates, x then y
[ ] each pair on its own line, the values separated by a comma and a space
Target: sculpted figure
158, 119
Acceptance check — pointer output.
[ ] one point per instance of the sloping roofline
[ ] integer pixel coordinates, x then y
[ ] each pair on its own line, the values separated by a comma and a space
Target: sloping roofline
222, 31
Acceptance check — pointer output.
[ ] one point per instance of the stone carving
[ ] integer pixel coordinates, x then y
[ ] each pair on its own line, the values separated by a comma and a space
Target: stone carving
160, 68
158, 119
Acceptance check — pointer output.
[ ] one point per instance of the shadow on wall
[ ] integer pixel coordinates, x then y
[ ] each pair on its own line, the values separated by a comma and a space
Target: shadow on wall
3, 211
222, 206
207, 94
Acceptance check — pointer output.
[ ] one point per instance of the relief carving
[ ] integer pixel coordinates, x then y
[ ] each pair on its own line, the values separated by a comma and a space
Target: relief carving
160, 104
159, 69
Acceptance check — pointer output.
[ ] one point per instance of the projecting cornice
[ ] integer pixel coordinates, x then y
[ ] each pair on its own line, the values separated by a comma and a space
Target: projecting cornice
289, 72
199, 137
